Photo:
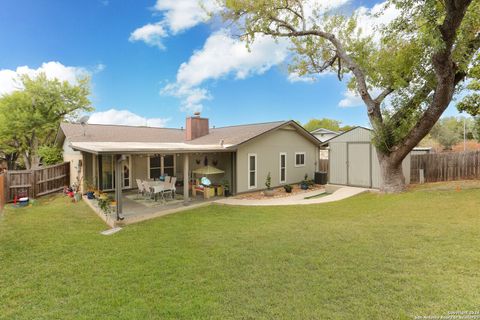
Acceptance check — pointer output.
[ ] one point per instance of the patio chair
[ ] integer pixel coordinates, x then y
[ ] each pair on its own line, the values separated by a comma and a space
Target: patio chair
141, 188
147, 185
170, 187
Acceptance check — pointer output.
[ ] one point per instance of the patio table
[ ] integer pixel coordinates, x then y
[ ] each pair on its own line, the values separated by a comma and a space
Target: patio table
158, 189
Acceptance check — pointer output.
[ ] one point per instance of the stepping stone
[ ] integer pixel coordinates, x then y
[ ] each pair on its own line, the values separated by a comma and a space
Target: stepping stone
110, 231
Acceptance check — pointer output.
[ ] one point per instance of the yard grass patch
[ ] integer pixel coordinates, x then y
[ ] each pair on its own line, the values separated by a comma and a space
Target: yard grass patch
367, 257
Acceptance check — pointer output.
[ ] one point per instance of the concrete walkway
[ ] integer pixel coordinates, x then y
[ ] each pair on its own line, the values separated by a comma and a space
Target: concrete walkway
299, 199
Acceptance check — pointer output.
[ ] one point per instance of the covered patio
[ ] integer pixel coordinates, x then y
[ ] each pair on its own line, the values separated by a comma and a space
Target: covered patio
198, 175
136, 209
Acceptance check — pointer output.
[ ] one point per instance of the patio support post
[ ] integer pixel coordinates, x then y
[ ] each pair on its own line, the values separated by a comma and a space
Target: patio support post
118, 185
186, 177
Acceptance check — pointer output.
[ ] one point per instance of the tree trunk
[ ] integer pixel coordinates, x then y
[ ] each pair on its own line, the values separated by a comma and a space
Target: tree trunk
26, 161
11, 160
393, 180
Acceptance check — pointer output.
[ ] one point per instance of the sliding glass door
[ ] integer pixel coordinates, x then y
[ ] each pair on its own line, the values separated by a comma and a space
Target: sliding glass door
107, 172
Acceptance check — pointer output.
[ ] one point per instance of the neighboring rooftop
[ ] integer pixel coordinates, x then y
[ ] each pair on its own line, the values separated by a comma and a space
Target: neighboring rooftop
323, 130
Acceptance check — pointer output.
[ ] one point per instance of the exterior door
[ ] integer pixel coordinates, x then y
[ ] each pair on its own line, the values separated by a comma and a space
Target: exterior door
107, 172
359, 168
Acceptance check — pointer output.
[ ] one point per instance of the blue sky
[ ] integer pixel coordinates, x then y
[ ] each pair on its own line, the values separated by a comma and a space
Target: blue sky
134, 50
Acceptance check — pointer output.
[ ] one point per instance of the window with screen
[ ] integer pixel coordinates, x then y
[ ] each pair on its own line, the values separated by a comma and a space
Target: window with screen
299, 159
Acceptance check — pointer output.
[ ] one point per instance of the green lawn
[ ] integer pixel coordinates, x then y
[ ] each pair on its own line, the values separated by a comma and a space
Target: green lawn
368, 257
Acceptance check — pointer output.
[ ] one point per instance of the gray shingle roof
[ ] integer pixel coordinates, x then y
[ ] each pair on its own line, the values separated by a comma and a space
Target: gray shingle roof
232, 135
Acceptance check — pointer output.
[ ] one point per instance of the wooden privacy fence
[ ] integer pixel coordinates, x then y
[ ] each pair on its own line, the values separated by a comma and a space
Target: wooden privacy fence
37, 182
445, 166
323, 165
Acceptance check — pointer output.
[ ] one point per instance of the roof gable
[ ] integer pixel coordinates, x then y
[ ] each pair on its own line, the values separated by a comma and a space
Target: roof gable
357, 134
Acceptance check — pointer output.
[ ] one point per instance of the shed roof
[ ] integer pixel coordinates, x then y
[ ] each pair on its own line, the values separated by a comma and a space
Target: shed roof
342, 135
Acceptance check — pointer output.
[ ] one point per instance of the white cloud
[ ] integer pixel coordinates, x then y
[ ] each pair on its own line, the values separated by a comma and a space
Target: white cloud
125, 117
9, 79
191, 97
369, 20
220, 57
295, 77
177, 16
351, 99
151, 34
180, 15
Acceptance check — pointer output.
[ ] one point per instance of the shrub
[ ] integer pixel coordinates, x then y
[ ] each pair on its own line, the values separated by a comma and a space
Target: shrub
50, 155
288, 188
268, 181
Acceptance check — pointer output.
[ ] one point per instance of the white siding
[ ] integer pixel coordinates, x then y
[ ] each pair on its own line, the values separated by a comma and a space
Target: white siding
268, 148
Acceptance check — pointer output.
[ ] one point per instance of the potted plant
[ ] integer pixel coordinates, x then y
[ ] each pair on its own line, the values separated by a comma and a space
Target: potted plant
268, 183
288, 188
77, 195
90, 190
104, 203
226, 188
304, 183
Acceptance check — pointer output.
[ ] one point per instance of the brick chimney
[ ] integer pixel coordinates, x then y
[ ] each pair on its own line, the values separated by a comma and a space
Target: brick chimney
196, 127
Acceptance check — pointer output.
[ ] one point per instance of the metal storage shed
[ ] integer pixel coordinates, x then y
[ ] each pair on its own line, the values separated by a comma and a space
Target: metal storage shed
353, 160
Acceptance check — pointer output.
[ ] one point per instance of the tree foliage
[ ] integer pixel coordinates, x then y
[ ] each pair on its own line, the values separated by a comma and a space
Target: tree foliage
326, 123
418, 61
29, 118
471, 102
448, 132
50, 155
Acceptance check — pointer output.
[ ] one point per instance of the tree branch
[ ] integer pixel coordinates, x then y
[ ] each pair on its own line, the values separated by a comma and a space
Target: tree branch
383, 95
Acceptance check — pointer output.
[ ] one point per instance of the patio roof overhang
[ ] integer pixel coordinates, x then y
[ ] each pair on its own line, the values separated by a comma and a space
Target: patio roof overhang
145, 147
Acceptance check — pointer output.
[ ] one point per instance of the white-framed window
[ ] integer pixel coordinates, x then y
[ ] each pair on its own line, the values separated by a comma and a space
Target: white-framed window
299, 159
283, 167
160, 165
252, 171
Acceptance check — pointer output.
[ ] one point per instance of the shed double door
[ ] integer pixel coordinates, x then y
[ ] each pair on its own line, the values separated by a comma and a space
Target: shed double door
359, 164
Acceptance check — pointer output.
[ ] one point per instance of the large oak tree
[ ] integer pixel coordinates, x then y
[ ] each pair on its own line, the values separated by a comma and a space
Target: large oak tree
416, 63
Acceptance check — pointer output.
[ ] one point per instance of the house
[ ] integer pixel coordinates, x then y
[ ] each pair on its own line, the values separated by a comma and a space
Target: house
246, 153
323, 134
353, 160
